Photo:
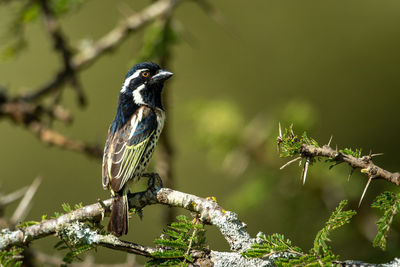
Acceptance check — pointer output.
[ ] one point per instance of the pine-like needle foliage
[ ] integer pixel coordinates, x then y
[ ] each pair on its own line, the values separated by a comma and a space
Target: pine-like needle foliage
177, 241
389, 203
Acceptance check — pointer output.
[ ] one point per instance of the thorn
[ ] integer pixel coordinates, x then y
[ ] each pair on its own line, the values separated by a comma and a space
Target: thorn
330, 140
350, 174
25, 204
289, 162
305, 170
279, 139
377, 154
365, 190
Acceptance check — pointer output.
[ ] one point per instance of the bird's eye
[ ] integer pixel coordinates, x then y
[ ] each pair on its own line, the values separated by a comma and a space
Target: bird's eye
145, 74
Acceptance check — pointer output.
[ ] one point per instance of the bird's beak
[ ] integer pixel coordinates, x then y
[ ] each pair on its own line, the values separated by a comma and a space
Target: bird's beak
162, 75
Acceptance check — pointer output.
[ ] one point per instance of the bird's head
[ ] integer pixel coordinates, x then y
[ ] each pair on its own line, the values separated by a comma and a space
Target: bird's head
143, 84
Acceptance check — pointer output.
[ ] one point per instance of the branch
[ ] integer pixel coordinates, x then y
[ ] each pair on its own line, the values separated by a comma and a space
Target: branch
51, 137
25, 204
364, 163
209, 211
70, 227
61, 45
106, 44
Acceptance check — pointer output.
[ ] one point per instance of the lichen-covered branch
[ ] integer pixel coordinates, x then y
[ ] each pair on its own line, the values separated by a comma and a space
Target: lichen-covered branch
69, 227
209, 211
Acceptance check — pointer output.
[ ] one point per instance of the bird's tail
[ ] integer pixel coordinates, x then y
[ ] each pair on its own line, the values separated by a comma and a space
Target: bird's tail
118, 224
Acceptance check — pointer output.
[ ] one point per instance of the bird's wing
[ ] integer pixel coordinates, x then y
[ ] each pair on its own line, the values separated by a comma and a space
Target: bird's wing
125, 148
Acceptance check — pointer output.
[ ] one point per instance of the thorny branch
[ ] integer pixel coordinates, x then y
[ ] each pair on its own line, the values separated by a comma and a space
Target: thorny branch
364, 163
309, 149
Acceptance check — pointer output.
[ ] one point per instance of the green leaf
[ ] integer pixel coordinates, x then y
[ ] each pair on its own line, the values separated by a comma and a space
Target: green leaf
389, 203
336, 220
26, 224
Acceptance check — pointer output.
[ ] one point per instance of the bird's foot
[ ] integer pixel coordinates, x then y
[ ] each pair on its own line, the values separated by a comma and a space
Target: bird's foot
154, 180
103, 211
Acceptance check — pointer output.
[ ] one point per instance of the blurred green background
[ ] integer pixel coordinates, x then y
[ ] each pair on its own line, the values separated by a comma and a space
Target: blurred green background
328, 67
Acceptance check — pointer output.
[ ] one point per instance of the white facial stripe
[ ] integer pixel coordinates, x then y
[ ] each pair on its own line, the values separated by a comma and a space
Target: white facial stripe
137, 97
130, 78
134, 122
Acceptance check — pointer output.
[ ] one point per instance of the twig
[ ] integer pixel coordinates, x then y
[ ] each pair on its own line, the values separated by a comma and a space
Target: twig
10, 198
25, 204
61, 45
330, 140
289, 162
365, 163
52, 137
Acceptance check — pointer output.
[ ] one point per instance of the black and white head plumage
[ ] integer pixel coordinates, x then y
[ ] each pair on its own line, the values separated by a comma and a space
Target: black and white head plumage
144, 83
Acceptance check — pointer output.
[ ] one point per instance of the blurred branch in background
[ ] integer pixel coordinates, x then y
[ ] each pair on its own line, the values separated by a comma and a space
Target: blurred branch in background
157, 45
37, 117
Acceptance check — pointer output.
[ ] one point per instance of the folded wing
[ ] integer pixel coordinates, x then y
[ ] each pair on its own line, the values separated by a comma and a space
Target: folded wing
125, 148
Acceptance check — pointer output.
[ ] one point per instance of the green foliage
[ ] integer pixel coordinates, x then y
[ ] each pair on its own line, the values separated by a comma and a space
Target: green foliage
11, 257
290, 143
26, 12
355, 153
60, 7
26, 224
294, 256
14, 39
319, 255
389, 203
337, 219
220, 134
74, 253
176, 242
67, 208
271, 244
75, 247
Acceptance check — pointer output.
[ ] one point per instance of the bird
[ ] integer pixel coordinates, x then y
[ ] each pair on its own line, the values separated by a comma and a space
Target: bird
132, 137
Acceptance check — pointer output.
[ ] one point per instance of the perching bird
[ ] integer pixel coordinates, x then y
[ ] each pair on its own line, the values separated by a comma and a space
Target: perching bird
132, 137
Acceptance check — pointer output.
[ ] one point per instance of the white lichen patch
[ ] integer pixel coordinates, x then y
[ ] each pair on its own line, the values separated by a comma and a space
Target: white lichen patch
77, 233
233, 259
233, 230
